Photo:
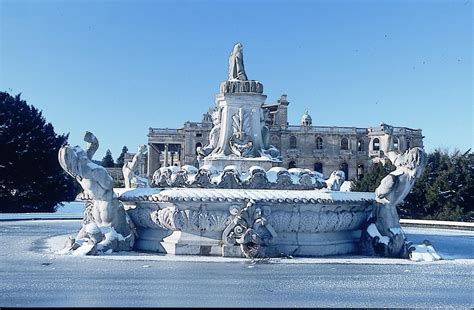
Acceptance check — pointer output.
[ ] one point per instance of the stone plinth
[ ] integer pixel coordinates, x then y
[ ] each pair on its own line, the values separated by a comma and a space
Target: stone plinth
199, 221
241, 115
235, 86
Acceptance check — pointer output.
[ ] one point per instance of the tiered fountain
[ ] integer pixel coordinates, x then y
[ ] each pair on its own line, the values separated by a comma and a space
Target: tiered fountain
239, 202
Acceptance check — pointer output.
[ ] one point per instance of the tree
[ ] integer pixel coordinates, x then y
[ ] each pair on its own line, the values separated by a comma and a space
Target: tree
445, 191
108, 161
120, 159
371, 180
31, 178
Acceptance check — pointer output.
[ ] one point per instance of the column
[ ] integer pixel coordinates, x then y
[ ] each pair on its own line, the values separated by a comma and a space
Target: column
153, 159
165, 164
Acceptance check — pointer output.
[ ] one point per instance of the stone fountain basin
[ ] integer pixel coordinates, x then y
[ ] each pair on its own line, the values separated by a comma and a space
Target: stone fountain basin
191, 221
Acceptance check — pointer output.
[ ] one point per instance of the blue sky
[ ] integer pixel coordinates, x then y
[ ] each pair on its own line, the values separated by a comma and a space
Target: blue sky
117, 68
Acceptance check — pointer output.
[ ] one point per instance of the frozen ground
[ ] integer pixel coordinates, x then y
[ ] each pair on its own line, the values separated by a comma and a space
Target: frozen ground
32, 276
68, 210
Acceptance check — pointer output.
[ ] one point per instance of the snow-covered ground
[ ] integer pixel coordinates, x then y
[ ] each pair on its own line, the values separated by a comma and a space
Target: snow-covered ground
31, 275
69, 210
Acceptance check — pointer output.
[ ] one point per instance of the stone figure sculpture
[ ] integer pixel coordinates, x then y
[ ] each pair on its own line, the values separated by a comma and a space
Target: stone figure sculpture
386, 140
335, 181
131, 173
236, 64
213, 135
384, 233
250, 229
106, 226
92, 144
161, 177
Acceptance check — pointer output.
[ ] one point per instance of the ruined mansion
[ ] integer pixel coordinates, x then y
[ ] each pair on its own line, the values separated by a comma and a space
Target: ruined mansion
320, 148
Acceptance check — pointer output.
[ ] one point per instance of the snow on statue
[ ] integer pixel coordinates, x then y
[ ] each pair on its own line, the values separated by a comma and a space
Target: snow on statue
106, 226
130, 170
384, 235
236, 64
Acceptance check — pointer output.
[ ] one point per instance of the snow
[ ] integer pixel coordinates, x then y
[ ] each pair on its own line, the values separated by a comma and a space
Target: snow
424, 253
57, 242
243, 176
346, 186
212, 170
92, 229
273, 172
128, 193
189, 169
253, 168
295, 179
85, 248
296, 171
216, 179
174, 169
256, 194
110, 234
431, 222
374, 232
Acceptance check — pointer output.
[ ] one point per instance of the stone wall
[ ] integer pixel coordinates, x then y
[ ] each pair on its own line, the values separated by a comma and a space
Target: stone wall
359, 153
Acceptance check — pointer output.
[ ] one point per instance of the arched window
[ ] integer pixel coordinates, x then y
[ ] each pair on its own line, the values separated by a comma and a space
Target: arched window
395, 143
345, 167
344, 144
319, 143
293, 143
291, 164
318, 167
360, 172
376, 144
360, 145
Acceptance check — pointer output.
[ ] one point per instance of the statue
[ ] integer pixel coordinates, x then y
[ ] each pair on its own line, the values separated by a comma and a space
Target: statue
106, 226
162, 177
236, 64
131, 173
335, 181
384, 233
250, 229
213, 135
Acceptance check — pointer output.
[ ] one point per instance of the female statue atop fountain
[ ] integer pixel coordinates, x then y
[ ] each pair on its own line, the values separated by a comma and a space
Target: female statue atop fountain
236, 64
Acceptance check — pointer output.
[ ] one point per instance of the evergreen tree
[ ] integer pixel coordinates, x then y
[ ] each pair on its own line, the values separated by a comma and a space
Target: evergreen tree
120, 159
372, 179
31, 179
445, 191
108, 161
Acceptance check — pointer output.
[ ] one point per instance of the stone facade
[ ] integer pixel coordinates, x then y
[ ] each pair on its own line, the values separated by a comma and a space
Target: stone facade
320, 148
117, 176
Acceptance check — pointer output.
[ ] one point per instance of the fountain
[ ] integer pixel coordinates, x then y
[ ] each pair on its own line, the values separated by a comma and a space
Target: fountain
240, 202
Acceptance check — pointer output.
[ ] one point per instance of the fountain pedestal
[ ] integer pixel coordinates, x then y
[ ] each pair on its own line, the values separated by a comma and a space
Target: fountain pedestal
241, 142
201, 221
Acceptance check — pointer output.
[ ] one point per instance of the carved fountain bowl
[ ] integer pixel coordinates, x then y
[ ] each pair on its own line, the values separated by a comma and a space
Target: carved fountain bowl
197, 221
